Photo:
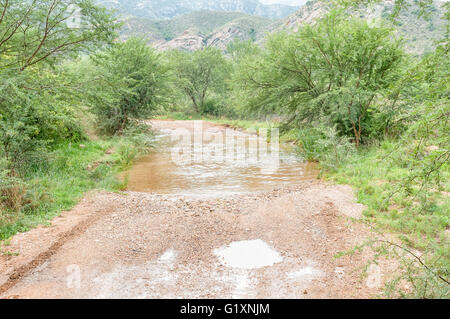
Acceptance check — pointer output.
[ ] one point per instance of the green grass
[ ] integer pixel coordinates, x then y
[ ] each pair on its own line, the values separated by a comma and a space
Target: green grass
72, 170
379, 180
414, 217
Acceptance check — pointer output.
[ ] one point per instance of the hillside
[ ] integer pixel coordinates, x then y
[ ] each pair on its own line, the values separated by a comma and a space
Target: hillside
197, 29
419, 33
167, 9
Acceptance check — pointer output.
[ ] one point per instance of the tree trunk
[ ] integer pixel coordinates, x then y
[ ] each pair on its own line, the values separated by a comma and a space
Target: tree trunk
357, 134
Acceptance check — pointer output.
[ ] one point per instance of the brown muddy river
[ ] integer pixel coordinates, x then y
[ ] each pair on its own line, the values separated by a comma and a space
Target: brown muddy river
197, 158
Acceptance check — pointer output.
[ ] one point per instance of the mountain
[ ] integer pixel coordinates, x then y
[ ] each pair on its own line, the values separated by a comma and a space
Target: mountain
167, 9
197, 29
419, 32
202, 28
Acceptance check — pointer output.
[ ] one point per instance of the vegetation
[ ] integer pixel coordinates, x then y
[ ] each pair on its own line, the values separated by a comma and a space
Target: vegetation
128, 81
199, 73
46, 159
331, 73
204, 23
419, 22
72, 100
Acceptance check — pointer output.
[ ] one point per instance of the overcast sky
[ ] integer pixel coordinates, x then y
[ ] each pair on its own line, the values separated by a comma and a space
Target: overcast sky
291, 2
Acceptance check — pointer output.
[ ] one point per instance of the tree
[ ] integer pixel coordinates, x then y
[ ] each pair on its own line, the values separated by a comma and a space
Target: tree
45, 30
332, 72
33, 97
199, 73
35, 36
129, 81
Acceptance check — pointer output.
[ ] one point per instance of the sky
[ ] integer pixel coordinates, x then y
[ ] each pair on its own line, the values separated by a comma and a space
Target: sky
291, 2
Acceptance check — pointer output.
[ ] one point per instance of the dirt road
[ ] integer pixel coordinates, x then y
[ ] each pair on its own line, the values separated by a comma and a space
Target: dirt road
271, 244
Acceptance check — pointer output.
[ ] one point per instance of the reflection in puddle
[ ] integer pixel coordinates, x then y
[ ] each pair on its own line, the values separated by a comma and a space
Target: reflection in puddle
304, 273
163, 173
248, 254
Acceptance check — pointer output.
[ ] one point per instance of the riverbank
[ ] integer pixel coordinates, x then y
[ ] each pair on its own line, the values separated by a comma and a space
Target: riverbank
68, 172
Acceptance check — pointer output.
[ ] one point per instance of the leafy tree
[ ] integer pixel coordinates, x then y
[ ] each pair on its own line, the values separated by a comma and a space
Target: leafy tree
31, 118
129, 81
242, 53
200, 73
333, 71
35, 96
45, 30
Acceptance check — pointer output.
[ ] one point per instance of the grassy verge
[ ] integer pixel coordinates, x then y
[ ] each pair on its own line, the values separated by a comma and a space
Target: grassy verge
378, 182
72, 170
416, 217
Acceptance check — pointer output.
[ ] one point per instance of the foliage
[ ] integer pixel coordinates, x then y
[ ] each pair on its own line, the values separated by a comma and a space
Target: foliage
58, 184
199, 74
404, 182
138, 140
44, 31
32, 118
34, 99
330, 73
324, 144
36, 109
336, 81
419, 22
129, 81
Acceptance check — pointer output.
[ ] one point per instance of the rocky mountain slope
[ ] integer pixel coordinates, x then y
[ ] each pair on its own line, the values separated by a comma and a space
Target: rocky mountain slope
197, 29
167, 9
419, 33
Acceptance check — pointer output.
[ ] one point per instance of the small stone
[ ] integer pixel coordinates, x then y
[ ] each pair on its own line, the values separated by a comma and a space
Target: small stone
305, 292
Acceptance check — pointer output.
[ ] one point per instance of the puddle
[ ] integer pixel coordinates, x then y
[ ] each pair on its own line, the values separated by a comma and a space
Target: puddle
248, 254
304, 274
168, 256
340, 272
161, 173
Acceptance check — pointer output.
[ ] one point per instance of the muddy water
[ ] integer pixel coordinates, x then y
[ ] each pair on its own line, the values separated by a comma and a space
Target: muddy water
215, 162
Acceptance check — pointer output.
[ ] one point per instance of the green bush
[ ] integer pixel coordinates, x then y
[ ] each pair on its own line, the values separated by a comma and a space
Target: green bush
129, 81
201, 76
332, 73
324, 144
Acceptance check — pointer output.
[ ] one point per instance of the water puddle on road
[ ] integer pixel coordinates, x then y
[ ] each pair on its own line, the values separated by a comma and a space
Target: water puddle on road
248, 254
165, 171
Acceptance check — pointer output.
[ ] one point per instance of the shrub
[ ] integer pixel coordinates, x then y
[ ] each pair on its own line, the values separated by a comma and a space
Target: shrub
325, 145
332, 72
129, 81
